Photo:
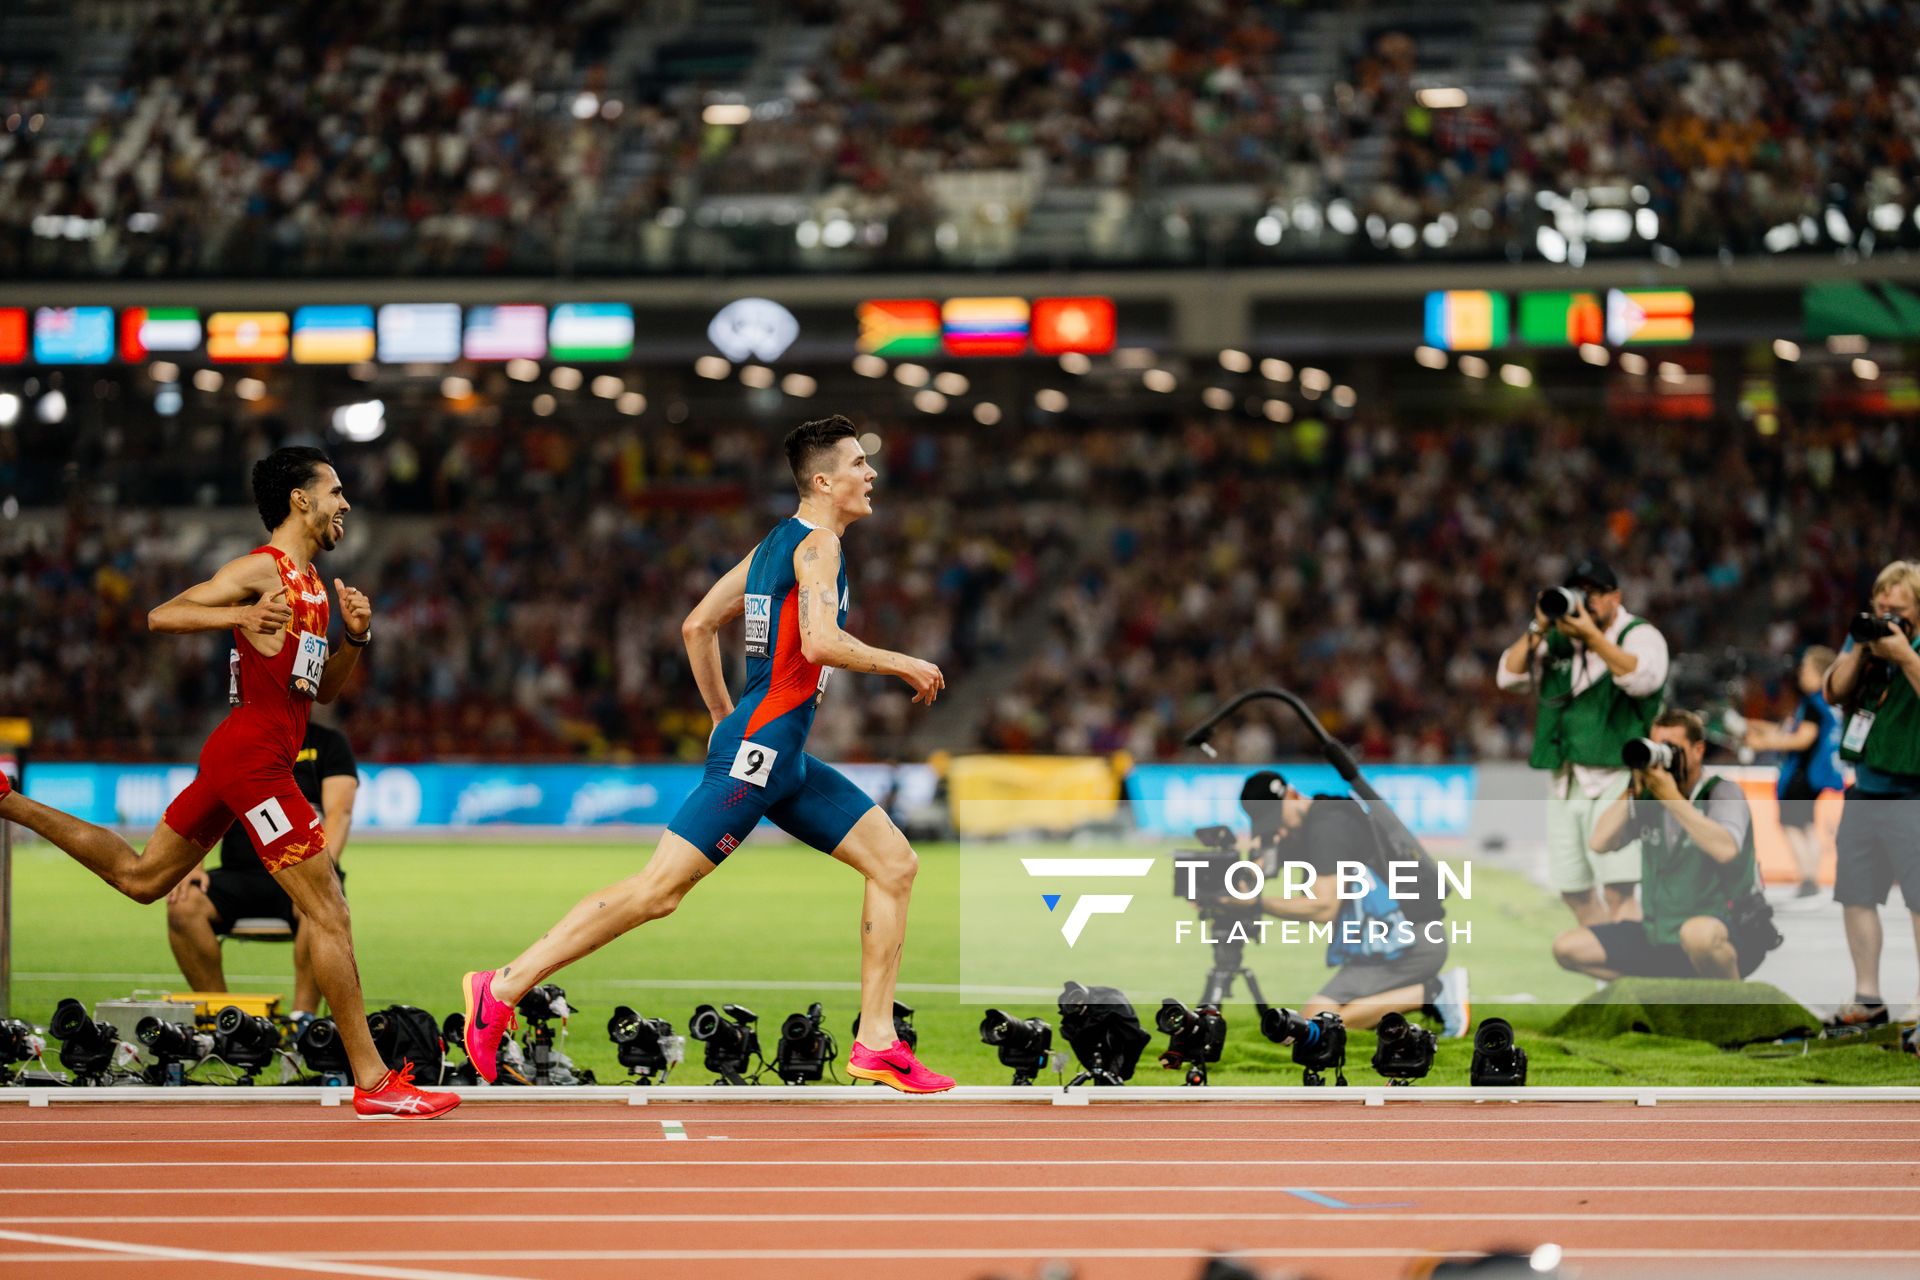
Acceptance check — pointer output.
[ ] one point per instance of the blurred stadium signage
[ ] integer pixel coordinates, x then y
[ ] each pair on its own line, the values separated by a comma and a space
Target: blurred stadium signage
146, 331
756, 328
506, 333
419, 332
332, 335
15, 346
73, 335
1175, 799
1846, 307
247, 337
591, 331
1478, 319
986, 326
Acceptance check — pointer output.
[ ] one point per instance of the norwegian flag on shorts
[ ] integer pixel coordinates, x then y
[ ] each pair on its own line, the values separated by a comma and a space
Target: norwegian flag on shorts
727, 843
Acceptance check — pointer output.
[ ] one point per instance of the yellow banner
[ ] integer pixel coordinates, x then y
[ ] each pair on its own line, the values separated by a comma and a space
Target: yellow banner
1002, 795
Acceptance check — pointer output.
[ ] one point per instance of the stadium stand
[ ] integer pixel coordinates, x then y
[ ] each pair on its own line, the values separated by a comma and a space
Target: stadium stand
623, 135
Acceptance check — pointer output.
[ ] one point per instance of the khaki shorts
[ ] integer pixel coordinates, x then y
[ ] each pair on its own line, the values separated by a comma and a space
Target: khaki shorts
1572, 867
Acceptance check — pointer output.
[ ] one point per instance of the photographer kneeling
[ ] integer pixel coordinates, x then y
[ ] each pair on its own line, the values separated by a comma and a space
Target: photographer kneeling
1702, 915
1376, 976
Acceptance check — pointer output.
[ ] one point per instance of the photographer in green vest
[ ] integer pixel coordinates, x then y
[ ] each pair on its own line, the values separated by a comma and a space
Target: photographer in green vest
1600, 673
1703, 916
1875, 683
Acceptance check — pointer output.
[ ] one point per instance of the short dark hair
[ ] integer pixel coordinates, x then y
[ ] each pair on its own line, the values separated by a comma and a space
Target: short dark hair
806, 442
1676, 718
277, 475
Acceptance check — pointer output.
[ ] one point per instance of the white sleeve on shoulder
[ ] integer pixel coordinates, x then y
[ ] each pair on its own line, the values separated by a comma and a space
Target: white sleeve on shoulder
1647, 644
1512, 680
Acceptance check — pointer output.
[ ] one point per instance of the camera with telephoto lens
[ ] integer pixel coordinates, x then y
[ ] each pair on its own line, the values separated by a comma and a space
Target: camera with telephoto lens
1319, 1043
1403, 1052
1024, 1044
1556, 603
1645, 753
86, 1046
732, 1040
647, 1047
805, 1047
18, 1043
1195, 1038
1099, 1025
902, 1025
1497, 1061
319, 1048
174, 1048
244, 1040
1868, 626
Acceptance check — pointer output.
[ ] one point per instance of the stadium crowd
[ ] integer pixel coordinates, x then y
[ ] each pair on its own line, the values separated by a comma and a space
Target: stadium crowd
438, 137
1127, 574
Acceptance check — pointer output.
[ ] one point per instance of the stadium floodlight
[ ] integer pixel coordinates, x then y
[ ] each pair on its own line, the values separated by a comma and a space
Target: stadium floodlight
1474, 366
631, 403
9, 408
1430, 357
1195, 1037
51, 408
951, 383
1075, 363
1024, 1044
1217, 398
1235, 361
544, 405
647, 1047
1497, 1061
727, 113
986, 413
1404, 1052
732, 1039
806, 1047
1050, 400
927, 400
911, 375
799, 385
1159, 380
360, 423
1442, 98
1865, 370
1785, 350
1100, 1027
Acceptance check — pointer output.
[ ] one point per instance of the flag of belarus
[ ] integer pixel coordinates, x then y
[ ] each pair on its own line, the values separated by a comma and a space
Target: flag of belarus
147, 330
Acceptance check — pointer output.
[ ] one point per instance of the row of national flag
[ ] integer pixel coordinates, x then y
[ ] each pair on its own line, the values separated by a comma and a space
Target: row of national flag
398, 333
1478, 319
1001, 326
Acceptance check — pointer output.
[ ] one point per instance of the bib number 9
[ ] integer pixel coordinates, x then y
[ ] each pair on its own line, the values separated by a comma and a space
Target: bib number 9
754, 763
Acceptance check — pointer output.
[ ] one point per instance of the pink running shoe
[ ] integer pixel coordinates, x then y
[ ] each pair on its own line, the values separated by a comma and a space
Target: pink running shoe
488, 1020
897, 1068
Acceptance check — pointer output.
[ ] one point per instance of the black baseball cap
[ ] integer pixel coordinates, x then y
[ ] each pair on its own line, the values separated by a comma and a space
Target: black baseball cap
1594, 573
1261, 797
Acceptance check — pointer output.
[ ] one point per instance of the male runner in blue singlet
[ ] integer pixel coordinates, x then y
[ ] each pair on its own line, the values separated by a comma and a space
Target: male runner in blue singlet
793, 591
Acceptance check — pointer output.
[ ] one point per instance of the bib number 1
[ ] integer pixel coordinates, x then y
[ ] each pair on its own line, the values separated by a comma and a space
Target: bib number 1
309, 664
754, 763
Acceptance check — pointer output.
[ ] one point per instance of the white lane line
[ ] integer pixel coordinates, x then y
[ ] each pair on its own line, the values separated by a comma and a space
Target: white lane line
1827, 1256
1324, 1215
1482, 1118
274, 1261
1320, 1161
998, 1140
1151, 1188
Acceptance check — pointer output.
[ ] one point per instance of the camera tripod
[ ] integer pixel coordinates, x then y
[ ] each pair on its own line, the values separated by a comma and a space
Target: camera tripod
1228, 966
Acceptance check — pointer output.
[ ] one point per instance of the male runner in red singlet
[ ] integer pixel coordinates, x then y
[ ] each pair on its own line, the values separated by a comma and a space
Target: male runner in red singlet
277, 607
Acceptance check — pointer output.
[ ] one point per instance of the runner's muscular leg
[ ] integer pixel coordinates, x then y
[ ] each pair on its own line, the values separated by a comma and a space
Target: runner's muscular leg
597, 919
316, 894
877, 850
144, 876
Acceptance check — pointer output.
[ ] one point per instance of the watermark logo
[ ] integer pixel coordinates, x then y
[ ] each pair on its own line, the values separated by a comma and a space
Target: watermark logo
1087, 905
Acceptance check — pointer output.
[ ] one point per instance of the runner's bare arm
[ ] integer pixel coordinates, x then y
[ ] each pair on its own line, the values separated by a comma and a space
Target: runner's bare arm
701, 631
356, 614
245, 593
816, 565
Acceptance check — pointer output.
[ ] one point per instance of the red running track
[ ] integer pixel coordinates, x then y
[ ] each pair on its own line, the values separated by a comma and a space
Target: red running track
951, 1189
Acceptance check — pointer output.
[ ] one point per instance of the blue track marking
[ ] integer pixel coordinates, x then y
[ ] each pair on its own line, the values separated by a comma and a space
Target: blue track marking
1328, 1202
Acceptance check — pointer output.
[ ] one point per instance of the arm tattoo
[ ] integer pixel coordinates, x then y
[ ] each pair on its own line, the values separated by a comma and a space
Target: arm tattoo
809, 555
805, 609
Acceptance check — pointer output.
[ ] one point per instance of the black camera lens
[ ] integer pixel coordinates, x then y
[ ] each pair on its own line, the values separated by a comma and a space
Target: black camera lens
623, 1025
1494, 1035
705, 1021
1557, 602
69, 1016
1172, 1016
801, 1026
165, 1039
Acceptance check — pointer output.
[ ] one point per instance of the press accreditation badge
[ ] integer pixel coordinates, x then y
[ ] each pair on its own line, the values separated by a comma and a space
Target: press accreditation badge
759, 625
1857, 730
754, 763
309, 664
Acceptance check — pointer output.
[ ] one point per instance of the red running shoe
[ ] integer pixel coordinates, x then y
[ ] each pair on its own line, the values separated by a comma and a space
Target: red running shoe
395, 1098
897, 1068
488, 1020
